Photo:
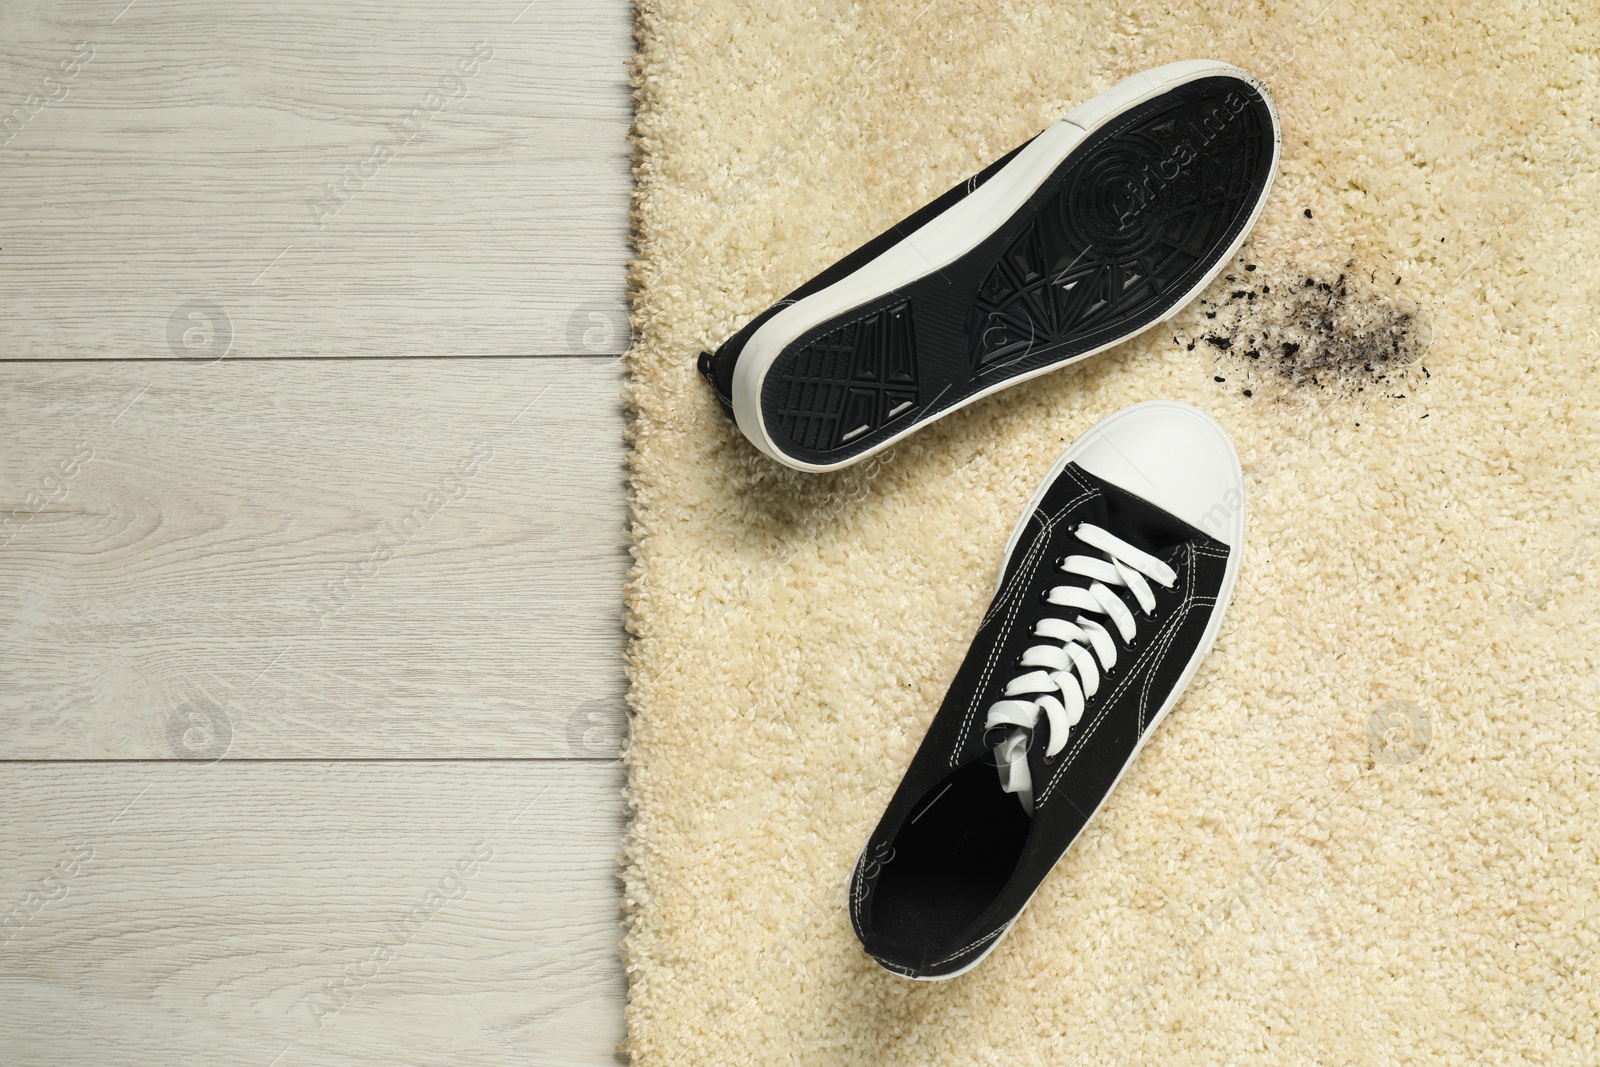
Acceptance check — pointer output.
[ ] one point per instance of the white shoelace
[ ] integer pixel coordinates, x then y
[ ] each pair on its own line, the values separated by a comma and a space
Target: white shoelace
1067, 674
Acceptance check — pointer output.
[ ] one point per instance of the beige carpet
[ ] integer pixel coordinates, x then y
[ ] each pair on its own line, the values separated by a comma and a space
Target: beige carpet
1369, 832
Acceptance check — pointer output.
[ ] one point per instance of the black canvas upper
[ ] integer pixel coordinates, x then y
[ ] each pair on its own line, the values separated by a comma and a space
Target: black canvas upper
970, 851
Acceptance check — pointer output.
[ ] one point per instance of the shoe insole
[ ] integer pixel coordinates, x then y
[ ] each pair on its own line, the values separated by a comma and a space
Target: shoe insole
951, 859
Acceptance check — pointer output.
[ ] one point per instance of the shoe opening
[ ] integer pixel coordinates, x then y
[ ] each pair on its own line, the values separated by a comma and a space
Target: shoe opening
951, 859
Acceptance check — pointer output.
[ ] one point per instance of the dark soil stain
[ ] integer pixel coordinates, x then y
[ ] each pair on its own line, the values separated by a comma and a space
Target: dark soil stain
1322, 332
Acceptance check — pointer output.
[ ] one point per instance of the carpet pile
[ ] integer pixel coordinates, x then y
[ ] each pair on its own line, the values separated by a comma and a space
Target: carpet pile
1369, 832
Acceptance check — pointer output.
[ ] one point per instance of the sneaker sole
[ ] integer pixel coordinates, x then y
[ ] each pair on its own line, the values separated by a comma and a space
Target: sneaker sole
1230, 577
979, 299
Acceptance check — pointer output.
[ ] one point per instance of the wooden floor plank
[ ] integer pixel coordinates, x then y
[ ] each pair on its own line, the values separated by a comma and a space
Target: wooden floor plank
308, 913
287, 178
311, 559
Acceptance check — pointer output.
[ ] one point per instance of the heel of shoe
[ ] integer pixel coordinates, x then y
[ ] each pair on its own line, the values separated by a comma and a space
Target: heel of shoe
707, 365
838, 389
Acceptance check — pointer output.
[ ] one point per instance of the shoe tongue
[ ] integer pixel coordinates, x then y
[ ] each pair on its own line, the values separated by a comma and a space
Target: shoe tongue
1138, 522
1033, 745
1005, 757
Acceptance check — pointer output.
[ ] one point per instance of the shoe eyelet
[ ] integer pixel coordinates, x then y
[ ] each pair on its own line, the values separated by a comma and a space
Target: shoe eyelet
1061, 563
1044, 596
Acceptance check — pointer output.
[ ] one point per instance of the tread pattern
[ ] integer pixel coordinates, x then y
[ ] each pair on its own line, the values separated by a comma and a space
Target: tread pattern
1124, 229
854, 379
1129, 222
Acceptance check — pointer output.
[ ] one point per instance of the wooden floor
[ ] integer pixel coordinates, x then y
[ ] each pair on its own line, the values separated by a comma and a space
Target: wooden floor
312, 531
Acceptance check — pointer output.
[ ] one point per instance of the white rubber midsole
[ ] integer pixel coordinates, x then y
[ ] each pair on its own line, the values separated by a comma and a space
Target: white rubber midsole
958, 231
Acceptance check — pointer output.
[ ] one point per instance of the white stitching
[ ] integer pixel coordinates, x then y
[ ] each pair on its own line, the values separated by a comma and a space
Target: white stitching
962, 951
1162, 643
1028, 560
1180, 614
1011, 587
1166, 643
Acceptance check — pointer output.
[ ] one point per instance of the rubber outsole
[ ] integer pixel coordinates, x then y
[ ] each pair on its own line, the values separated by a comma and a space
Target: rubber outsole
1151, 201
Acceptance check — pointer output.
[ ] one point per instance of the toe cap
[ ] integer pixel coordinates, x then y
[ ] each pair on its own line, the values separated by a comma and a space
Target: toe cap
1175, 456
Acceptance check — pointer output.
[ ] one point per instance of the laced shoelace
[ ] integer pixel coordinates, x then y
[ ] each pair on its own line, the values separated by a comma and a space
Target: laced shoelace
1067, 673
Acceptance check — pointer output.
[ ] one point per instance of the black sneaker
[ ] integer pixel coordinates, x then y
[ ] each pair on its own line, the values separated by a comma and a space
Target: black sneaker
1112, 591
1109, 221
